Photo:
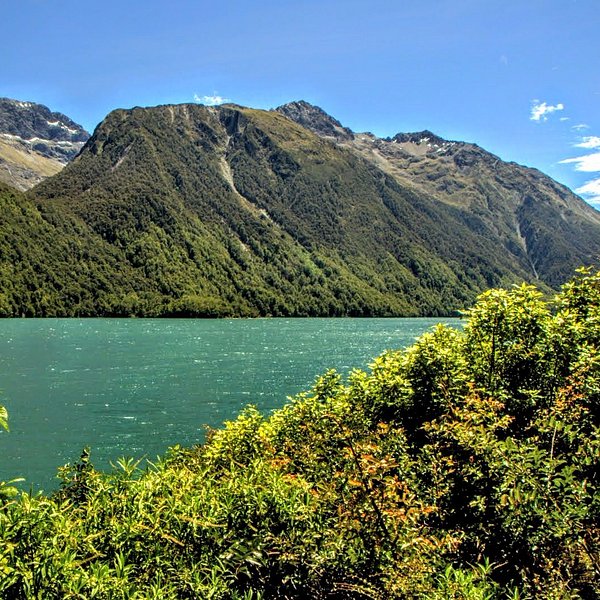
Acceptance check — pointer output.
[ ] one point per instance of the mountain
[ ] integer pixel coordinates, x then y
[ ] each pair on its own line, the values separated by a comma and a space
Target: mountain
540, 222
35, 142
316, 119
226, 211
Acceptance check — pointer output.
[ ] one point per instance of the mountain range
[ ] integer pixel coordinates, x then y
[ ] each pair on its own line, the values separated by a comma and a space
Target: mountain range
35, 142
189, 210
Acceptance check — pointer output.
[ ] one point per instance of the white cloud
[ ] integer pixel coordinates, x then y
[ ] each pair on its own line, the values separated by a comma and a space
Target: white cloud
591, 191
213, 100
591, 187
591, 142
539, 110
590, 163
565, 118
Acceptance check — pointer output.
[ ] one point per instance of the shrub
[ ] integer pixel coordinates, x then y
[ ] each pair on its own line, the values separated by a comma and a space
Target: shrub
463, 467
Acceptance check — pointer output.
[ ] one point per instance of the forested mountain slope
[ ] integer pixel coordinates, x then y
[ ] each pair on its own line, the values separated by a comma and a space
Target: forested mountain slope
531, 216
52, 265
217, 211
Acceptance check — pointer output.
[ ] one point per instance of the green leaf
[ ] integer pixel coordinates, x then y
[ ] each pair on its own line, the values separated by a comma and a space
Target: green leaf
3, 418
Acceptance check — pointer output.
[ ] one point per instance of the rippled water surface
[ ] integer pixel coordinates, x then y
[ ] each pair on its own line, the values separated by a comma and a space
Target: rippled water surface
135, 387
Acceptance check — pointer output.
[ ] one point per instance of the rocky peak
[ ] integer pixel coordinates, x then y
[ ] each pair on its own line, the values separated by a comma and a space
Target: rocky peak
422, 138
35, 142
315, 119
35, 128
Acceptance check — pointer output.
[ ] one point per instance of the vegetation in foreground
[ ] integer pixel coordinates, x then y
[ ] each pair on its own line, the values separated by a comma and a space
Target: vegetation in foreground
463, 467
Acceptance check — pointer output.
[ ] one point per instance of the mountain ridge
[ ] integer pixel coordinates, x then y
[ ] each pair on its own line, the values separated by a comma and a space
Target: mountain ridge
235, 211
450, 170
35, 142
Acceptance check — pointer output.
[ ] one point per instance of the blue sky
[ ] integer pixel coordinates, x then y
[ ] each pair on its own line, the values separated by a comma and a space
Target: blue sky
518, 77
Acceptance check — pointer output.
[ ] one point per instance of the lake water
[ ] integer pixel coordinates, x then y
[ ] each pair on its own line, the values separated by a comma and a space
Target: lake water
134, 387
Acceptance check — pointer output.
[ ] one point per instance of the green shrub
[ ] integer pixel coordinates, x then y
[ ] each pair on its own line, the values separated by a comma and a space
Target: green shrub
463, 467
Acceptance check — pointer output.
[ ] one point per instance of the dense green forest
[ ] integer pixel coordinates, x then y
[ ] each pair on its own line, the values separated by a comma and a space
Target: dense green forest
463, 467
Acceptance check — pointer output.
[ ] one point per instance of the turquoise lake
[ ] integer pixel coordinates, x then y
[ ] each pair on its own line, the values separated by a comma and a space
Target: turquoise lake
134, 387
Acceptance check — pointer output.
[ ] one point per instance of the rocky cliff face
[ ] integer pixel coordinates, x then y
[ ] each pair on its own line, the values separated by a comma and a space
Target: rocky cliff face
316, 120
35, 142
